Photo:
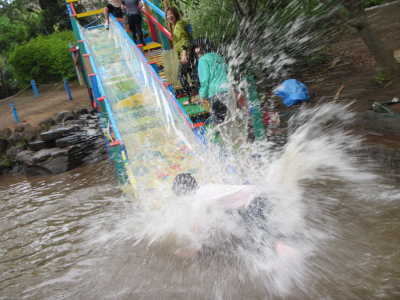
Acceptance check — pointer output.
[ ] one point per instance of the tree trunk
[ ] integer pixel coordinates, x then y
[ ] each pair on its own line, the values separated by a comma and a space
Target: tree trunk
383, 57
3, 84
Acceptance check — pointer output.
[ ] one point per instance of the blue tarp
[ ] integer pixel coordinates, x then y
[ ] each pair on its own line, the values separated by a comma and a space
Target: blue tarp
292, 92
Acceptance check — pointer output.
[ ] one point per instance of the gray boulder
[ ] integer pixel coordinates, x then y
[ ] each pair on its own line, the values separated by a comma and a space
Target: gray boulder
55, 165
58, 132
25, 157
20, 127
3, 145
45, 154
12, 152
36, 171
70, 140
39, 145
17, 139
29, 133
63, 116
5, 133
81, 111
46, 124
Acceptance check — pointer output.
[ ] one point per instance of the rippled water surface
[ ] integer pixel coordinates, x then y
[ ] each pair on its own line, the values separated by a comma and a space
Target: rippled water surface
58, 241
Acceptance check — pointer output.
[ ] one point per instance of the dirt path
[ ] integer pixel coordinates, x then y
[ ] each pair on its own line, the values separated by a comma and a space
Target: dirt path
53, 99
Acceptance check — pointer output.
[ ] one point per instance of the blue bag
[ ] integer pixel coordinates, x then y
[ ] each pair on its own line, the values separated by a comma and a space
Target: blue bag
292, 92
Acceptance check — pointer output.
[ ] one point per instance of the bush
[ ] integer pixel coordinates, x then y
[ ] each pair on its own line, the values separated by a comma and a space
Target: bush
45, 59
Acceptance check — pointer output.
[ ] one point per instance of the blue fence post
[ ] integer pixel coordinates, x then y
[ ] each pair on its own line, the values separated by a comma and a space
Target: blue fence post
35, 89
14, 112
95, 89
68, 89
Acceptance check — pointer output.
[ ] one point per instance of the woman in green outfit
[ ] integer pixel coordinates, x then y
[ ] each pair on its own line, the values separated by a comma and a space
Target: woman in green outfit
181, 39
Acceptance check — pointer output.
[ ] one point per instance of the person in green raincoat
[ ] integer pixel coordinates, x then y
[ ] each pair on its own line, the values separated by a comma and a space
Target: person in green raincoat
214, 87
213, 78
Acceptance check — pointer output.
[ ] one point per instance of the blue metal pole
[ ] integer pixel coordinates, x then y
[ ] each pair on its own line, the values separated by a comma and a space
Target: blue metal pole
95, 88
35, 89
155, 8
14, 112
68, 89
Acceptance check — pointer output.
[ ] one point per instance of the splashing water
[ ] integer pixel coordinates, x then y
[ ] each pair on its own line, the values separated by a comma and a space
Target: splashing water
295, 241
292, 242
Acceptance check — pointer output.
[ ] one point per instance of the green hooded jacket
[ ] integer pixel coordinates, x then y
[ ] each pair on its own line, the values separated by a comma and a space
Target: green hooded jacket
180, 37
212, 75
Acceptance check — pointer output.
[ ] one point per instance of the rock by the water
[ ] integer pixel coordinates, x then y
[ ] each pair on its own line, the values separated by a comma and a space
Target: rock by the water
16, 139
39, 145
81, 111
59, 132
70, 140
63, 116
46, 124
25, 157
36, 171
76, 122
29, 133
44, 154
84, 117
56, 165
20, 127
57, 149
5, 133
12, 152
3, 145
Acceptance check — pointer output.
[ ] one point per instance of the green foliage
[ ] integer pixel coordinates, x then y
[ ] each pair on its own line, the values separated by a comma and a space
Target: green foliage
382, 77
54, 15
45, 59
369, 3
214, 19
11, 33
5, 162
316, 59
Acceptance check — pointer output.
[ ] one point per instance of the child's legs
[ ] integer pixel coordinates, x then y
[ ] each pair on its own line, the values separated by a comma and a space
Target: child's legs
132, 27
183, 72
138, 26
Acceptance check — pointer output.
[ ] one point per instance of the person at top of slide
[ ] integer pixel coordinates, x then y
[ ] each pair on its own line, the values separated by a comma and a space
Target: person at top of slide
113, 7
181, 43
134, 16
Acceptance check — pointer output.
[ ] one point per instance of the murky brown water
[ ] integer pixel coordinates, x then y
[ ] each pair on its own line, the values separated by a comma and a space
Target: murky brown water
42, 221
49, 249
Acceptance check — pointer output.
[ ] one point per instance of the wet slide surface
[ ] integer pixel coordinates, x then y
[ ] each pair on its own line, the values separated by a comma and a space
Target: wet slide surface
155, 131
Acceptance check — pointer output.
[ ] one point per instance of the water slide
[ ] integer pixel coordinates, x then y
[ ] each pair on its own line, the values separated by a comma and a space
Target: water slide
154, 136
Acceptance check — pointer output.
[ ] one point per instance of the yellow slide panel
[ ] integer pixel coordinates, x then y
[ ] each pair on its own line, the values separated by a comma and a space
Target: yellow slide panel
90, 13
131, 101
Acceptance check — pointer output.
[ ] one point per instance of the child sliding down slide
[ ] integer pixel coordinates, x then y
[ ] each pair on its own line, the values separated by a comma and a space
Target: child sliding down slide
250, 204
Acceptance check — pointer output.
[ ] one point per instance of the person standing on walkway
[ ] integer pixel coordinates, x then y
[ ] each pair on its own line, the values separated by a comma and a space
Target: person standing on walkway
181, 40
134, 16
114, 7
